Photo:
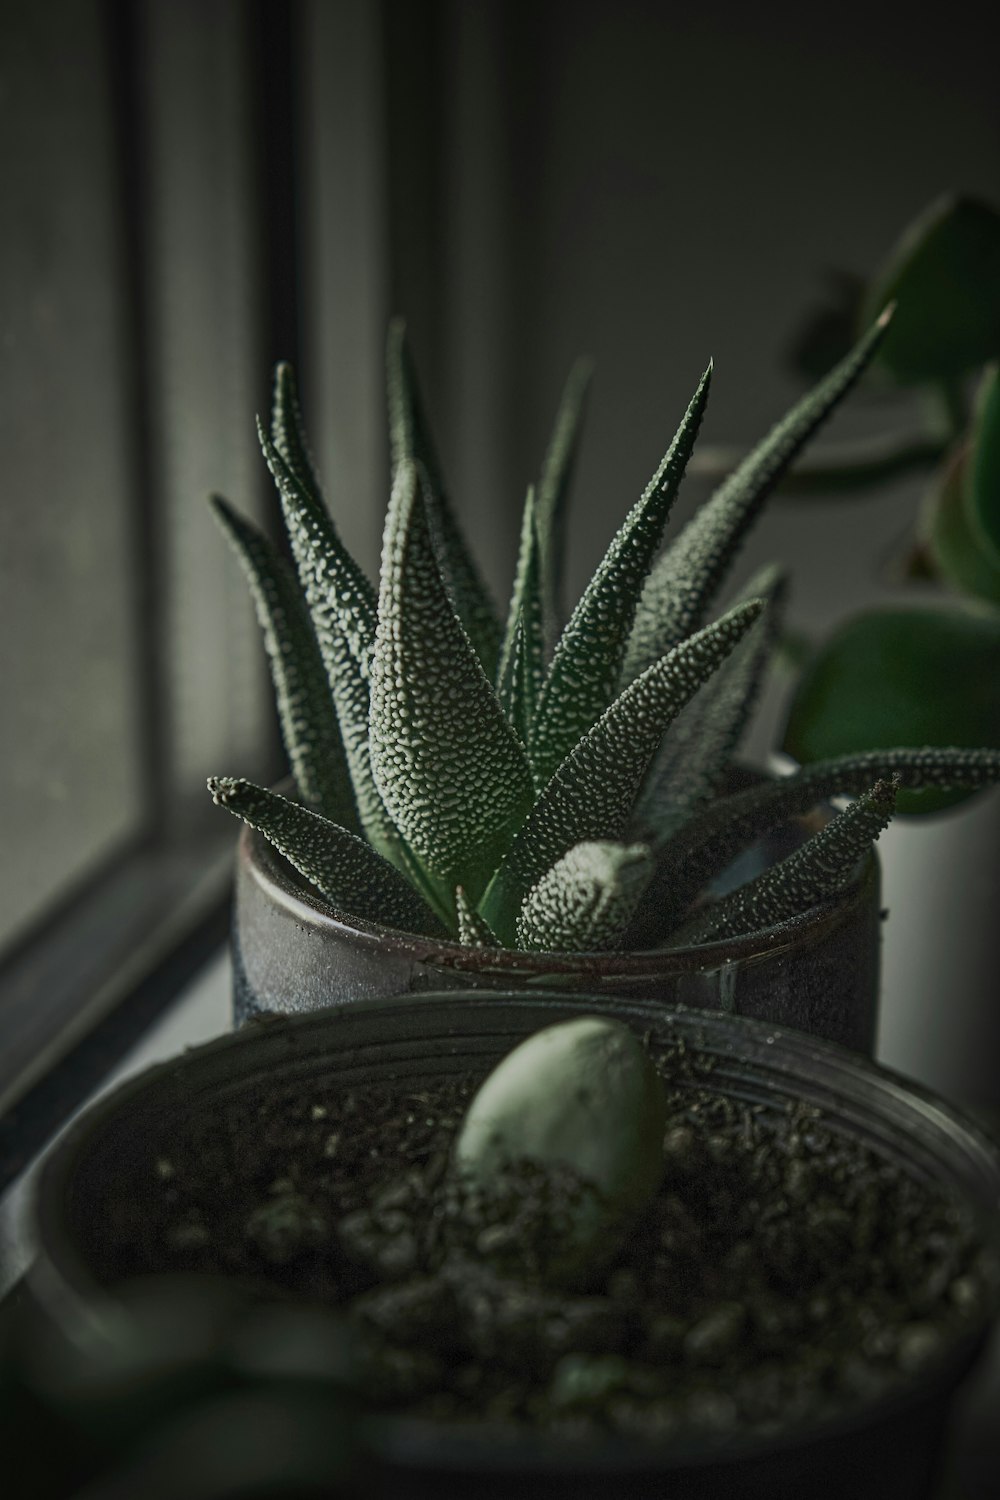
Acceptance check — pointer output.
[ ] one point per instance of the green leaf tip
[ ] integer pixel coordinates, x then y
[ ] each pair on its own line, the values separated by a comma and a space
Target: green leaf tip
684, 581
585, 902
818, 871
306, 712
343, 868
588, 657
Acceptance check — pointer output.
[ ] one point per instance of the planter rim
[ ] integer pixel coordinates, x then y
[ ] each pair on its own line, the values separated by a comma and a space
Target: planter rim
64, 1282
288, 891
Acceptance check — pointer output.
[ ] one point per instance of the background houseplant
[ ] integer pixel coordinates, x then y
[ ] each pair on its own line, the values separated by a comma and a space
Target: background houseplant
918, 660
527, 786
934, 680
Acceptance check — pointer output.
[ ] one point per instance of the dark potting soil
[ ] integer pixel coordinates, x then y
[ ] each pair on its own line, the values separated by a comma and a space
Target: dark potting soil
783, 1272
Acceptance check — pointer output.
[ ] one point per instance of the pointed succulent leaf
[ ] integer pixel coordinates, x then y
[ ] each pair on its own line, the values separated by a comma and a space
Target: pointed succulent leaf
682, 584
591, 795
888, 677
473, 931
584, 903
945, 275
451, 771
983, 481
305, 707
343, 868
698, 746
553, 493
585, 668
519, 673
410, 439
288, 433
515, 691
816, 872
730, 824
335, 587
342, 608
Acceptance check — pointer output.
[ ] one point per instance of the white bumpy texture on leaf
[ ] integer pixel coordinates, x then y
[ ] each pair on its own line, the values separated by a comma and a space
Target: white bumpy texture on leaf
411, 442
684, 581
345, 869
343, 610
817, 871
583, 904
707, 844
472, 930
306, 713
451, 771
592, 793
697, 748
587, 662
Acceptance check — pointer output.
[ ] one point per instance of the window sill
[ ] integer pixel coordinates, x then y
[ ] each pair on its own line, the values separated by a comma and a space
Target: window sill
201, 1011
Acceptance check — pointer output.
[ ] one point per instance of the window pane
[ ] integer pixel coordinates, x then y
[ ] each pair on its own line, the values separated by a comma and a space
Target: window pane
71, 789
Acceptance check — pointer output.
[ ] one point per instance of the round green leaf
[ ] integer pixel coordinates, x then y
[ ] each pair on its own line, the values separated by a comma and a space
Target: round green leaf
955, 546
902, 676
944, 276
982, 482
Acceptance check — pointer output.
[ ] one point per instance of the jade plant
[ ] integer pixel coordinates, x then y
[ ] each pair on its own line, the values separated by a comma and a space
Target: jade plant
525, 782
921, 668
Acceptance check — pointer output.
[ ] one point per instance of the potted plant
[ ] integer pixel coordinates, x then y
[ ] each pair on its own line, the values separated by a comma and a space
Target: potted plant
641, 1250
533, 803
911, 658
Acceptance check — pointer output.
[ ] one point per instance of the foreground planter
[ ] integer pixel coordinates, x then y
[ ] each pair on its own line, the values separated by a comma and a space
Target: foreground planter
293, 953
890, 1446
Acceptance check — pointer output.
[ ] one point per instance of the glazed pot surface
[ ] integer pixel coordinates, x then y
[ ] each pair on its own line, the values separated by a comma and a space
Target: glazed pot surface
293, 953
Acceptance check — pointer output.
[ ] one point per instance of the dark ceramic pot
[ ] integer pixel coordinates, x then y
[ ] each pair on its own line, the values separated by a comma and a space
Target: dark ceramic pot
889, 1446
293, 953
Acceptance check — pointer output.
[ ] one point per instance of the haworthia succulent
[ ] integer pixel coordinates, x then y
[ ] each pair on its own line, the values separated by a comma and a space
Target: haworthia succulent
683, 583
698, 746
472, 930
410, 440
584, 903
553, 493
345, 869
817, 871
519, 672
479, 841
591, 795
305, 707
452, 773
588, 657
288, 433
717, 836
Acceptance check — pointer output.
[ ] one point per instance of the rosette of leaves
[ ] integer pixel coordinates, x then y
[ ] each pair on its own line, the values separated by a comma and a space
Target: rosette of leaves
925, 671
519, 781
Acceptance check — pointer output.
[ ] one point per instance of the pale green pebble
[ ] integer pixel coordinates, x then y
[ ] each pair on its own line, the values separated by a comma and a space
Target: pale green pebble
583, 1095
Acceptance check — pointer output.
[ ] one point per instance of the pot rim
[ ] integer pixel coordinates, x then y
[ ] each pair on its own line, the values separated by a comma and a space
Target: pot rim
741, 1045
